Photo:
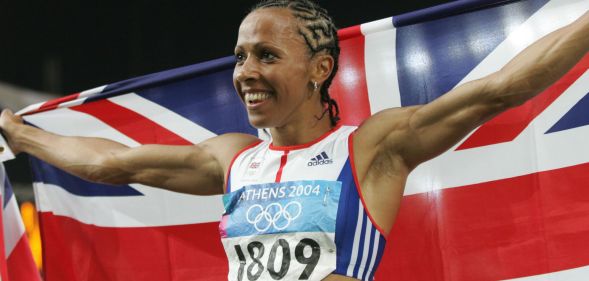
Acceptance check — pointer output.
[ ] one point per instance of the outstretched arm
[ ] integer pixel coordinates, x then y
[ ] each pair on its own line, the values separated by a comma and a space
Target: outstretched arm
197, 169
419, 133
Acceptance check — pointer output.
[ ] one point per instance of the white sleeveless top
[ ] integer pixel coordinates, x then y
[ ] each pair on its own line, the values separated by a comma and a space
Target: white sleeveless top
284, 206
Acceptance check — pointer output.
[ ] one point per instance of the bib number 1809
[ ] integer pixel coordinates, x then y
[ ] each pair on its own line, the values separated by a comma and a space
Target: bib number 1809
255, 267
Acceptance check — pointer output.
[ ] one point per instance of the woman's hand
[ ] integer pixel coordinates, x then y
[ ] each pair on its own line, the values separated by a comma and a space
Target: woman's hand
9, 123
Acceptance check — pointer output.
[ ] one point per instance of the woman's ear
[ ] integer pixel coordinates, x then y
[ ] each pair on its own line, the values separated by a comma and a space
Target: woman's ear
322, 67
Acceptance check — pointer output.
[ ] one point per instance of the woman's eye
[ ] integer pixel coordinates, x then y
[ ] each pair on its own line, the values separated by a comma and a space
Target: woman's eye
268, 56
239, 58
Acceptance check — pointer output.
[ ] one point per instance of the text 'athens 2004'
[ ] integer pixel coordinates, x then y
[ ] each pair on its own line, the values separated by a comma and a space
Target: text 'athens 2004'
279, 192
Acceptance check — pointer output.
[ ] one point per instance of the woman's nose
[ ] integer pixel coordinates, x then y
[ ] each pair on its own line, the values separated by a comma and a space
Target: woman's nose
247, 70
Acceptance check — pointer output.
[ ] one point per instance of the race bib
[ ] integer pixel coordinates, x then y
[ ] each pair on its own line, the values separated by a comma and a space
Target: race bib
281, 231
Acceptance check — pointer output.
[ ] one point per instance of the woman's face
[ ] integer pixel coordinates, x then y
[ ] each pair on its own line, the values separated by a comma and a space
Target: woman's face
272, 74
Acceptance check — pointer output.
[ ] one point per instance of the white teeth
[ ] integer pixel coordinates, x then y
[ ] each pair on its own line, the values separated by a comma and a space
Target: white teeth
256, 97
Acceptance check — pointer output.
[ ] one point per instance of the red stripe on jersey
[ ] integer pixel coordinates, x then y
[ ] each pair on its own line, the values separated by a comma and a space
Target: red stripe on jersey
508, 125
349, 87
503, 229
130, 123
283, 160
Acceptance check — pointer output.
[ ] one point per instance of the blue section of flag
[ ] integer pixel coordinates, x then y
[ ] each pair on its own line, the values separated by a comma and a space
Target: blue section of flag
50, 175
164, 77
441, 11
429, 66
576, 117
7, 191
202, 93
208, 100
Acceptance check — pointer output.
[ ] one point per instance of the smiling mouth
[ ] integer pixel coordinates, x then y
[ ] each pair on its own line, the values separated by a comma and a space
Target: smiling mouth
255, 98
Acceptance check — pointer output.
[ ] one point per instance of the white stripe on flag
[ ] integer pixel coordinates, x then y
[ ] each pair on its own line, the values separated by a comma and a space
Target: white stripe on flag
30, 108
164, 117
81, 98
91, 92
356, 245
515, 158
71, 103
550, 17
165, 208
14, 228
575, 274
193, 209
11, 221
380, 63
78, 124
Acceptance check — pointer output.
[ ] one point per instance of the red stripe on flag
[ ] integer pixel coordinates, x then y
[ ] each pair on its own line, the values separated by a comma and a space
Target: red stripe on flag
21, 266
508, 125
349, 87
77, 251
522, 226
3, 269
52, 104
130, 123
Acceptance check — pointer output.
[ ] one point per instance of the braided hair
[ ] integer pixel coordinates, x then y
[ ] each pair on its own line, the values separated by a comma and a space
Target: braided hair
320, 34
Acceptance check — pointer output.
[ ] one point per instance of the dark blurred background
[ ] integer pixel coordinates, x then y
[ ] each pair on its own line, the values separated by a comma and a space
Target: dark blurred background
61, 47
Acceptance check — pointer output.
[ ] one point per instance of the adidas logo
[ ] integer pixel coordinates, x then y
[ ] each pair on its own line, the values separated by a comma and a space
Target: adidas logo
321, 159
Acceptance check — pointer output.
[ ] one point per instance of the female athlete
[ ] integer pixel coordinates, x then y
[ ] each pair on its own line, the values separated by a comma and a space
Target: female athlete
317, 201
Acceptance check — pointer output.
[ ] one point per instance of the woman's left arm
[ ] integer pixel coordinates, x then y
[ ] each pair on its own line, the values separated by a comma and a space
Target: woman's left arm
416, 134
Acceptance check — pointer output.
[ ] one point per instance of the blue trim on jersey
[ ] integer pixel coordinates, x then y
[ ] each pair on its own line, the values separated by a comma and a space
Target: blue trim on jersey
228, 182
347, 219
345, 225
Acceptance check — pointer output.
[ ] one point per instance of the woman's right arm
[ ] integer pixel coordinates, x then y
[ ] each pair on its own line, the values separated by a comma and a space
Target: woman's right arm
195, 169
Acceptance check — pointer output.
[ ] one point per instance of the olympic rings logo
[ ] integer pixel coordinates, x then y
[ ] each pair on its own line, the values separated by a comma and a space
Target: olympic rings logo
274, 215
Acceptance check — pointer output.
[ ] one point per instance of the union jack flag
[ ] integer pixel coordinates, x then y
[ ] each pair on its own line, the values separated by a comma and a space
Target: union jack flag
509, 201
16, 261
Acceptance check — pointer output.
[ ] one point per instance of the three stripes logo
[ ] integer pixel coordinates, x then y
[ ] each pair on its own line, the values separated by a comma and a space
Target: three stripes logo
320, 159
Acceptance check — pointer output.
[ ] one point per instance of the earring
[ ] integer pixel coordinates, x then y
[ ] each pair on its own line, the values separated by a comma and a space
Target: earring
315, 85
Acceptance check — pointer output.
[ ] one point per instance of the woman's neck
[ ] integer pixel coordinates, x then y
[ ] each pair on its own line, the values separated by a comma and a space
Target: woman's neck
300, 133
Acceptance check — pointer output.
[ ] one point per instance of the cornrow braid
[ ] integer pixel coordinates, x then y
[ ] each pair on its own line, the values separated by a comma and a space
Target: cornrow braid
320, 34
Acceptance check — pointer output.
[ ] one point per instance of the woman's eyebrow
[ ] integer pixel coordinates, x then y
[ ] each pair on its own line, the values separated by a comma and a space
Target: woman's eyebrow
256, 46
